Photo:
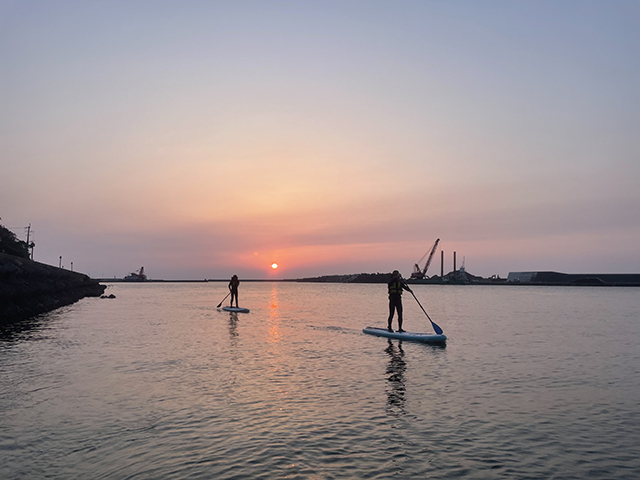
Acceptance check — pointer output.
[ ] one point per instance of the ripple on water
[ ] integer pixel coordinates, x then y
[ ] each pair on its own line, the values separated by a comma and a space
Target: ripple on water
160, 384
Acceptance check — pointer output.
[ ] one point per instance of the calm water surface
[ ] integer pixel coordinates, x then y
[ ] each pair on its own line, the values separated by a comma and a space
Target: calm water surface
540, 382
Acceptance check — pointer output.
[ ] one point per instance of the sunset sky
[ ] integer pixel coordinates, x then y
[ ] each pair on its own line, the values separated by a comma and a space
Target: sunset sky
206, 138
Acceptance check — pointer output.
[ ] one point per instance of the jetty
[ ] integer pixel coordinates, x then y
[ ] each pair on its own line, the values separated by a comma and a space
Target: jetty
29, 288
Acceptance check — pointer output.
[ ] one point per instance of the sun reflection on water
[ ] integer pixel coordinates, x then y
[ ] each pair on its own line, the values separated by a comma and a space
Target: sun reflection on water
277, 356
274, 316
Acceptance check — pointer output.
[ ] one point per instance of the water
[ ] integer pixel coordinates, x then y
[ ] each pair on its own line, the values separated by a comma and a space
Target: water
539, 382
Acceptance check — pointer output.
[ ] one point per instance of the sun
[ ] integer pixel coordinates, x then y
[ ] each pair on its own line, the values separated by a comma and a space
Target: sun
274, 265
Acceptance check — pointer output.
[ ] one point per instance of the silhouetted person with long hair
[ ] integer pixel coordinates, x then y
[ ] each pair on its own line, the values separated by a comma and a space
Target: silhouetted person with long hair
396, 285
233, 288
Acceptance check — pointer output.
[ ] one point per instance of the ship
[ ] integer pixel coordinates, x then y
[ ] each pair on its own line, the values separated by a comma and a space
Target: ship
136, 276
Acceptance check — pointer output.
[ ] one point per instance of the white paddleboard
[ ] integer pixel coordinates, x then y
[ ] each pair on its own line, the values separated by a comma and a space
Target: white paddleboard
236, 309
416, 337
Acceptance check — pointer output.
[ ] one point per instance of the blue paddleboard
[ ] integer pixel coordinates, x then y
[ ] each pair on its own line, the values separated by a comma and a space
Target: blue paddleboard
236, 309
413, 336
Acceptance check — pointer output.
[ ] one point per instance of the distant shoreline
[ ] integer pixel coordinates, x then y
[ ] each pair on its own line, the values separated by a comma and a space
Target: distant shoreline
121, 280
456, 277
304, 280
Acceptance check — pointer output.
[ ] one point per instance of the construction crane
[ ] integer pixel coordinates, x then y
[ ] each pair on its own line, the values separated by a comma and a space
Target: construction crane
419, 273
138, 276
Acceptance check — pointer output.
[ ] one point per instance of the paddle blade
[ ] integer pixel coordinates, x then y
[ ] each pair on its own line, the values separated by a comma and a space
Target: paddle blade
436, 328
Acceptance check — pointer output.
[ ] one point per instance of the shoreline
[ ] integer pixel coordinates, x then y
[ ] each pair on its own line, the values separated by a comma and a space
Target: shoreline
29, 288
410, 282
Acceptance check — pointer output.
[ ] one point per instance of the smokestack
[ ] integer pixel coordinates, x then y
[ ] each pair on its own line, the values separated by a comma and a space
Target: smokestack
454, 261
441, 263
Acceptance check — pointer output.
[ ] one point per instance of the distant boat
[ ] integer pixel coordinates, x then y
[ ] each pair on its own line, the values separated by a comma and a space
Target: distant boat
136, 276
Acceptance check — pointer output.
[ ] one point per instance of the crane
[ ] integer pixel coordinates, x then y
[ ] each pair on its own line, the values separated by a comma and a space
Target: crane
138, 276
421, 273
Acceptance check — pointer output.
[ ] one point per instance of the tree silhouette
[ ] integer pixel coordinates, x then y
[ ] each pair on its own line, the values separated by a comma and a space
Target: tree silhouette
10, 244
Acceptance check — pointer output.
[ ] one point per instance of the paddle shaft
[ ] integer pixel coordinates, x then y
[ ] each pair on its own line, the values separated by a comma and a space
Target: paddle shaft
226, 298
436, 328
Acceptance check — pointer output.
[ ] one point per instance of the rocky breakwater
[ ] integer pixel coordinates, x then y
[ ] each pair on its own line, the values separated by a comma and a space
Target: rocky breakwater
29, 288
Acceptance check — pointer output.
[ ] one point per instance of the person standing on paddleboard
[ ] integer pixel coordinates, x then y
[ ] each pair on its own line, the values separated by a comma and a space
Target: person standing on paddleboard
233, 288
396, 285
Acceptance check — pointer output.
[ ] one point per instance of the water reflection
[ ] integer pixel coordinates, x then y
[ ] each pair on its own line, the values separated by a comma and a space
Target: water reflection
18, 330
27, 329
396, 388
279, 364
274, 316
233, 327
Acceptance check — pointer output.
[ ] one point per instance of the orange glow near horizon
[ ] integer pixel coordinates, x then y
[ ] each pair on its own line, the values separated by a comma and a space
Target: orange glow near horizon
317, 256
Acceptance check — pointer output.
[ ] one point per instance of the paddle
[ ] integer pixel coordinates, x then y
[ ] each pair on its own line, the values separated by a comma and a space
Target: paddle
226, 298
437, 329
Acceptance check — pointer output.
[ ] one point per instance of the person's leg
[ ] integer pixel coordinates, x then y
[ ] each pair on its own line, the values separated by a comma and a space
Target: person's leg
232, 295
237, 300
392, 308
399, 309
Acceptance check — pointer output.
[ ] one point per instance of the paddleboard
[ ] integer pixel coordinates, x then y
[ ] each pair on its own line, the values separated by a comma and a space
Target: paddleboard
236, 309
416, 337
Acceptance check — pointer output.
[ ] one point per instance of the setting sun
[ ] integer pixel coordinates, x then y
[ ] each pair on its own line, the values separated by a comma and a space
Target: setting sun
274, 265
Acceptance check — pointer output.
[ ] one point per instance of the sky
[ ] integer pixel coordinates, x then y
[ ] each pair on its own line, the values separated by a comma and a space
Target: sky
201, 139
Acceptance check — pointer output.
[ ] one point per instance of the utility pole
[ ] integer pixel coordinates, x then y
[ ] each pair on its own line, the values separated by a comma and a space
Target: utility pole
60, 263
29, 246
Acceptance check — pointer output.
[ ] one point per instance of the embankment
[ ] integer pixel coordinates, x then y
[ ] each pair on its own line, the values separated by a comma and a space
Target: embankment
29, 288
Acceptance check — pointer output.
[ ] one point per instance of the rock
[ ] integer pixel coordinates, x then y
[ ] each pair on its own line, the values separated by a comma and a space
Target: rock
29, 288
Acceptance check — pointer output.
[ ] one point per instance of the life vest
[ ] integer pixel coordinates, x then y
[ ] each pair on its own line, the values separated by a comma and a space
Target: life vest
395, 287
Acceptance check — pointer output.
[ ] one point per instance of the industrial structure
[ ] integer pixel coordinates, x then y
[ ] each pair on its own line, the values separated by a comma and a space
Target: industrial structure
457, 276
136, 276
557, 278
420, 273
